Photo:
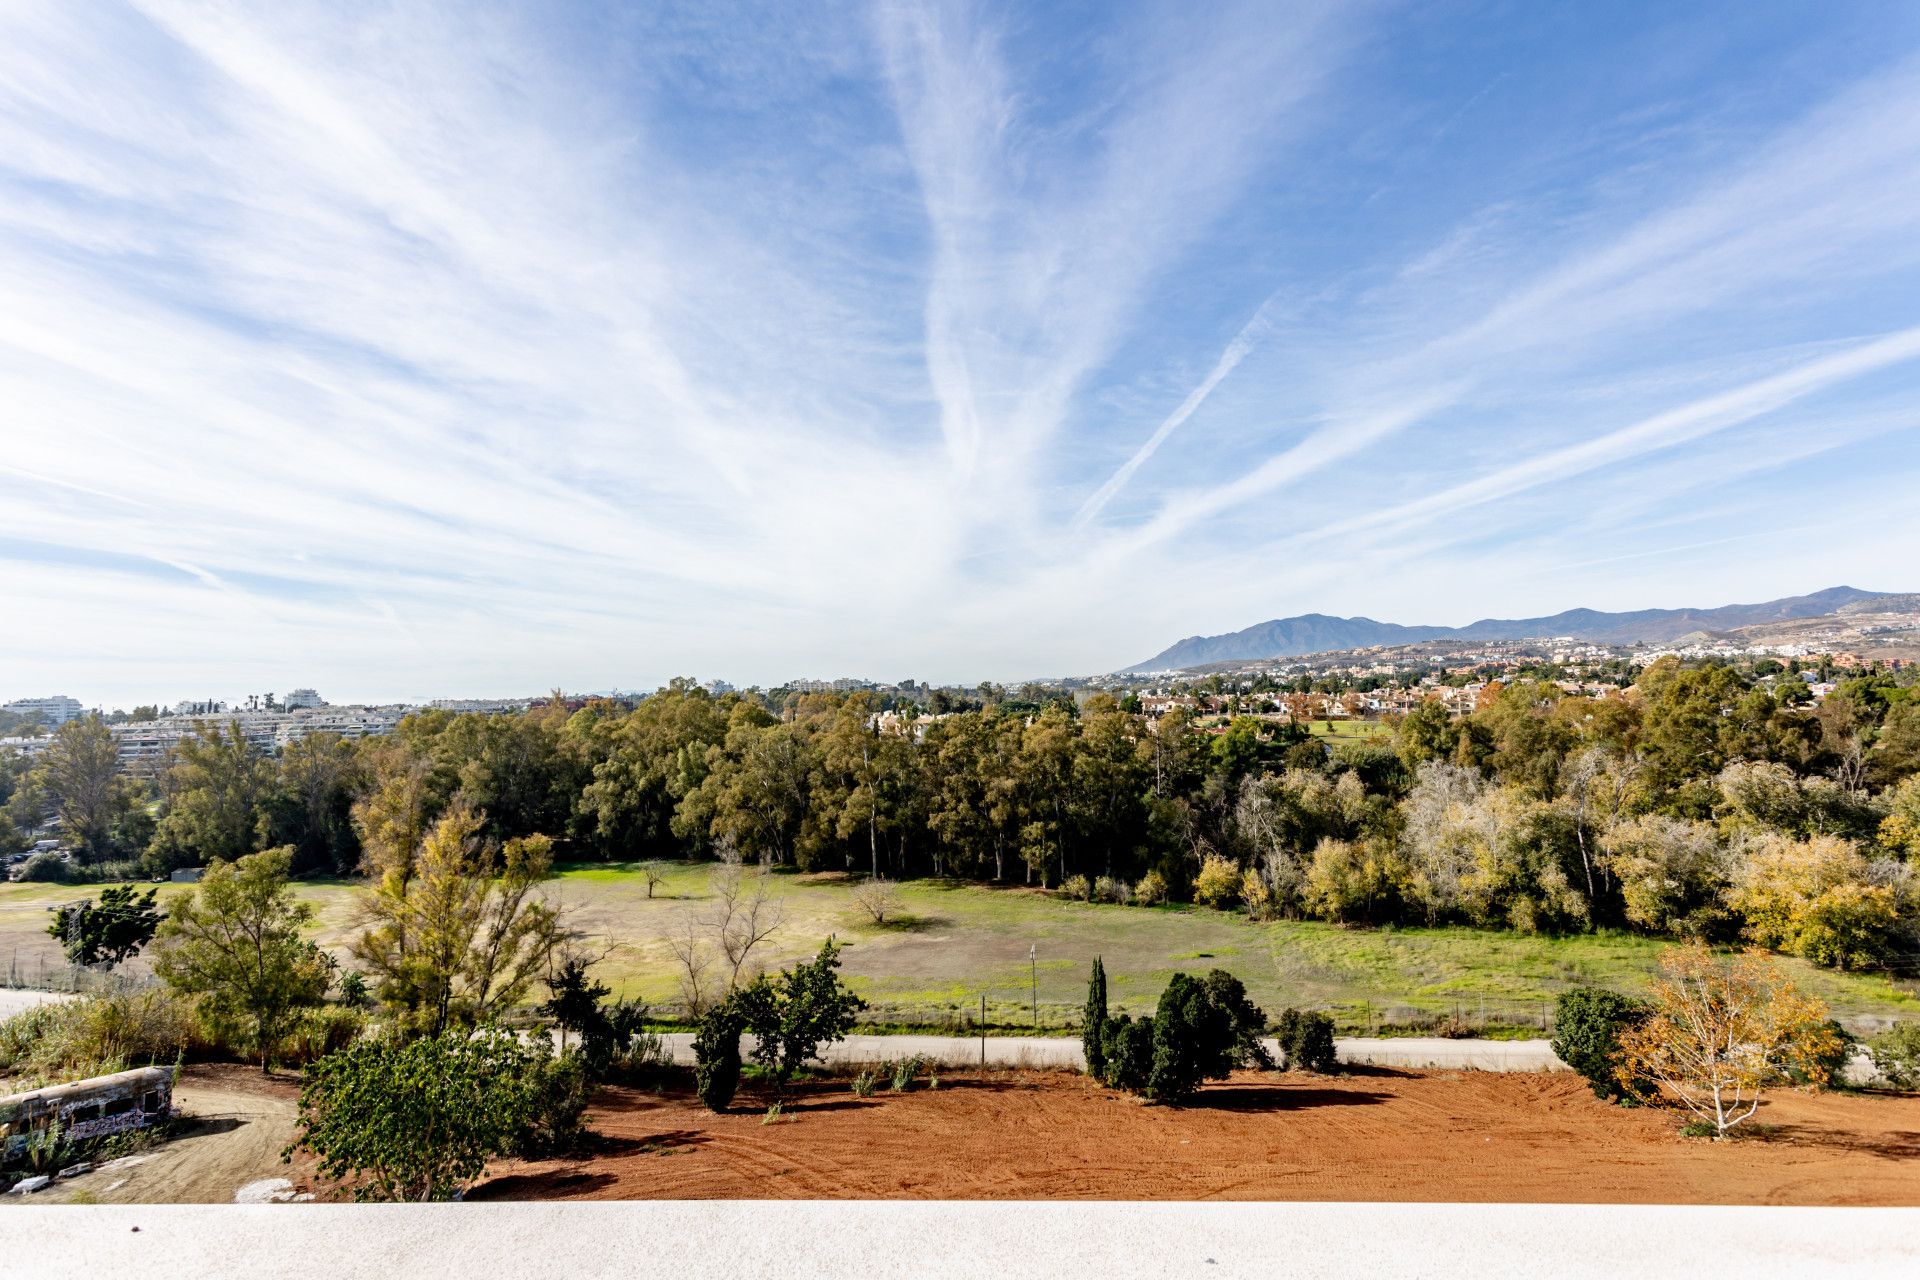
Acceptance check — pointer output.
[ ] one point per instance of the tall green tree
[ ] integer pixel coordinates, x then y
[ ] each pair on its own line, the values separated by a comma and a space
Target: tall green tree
80, 773
460, 934
234, 942
215, 797
312, 806
1094, 1031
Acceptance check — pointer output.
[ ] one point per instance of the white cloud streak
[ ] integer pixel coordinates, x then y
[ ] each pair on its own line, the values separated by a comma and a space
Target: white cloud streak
443, 349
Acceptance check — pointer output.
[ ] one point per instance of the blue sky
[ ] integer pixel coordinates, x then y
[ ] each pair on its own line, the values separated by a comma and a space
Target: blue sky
433, 349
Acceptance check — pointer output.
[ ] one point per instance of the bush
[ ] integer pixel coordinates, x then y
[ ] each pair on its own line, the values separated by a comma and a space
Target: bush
864, 1082
50, 868
1202, 1029
320, 1032
1306, 1038
1587, 1025
1896, 1055
558, 1091
1218, 884
792, 1015
418, 1120
1108, 889
1128, 1046
619, 1046
716, 1056
904, 1072
1255, 894
75, 1039
1826, 1066
1077, 887
1151, 891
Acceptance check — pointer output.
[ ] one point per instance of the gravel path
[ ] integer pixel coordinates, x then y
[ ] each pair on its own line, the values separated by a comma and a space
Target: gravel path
14, 1001
1062, 1053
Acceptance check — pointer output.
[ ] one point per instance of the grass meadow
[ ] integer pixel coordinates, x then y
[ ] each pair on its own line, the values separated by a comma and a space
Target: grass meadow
953, 943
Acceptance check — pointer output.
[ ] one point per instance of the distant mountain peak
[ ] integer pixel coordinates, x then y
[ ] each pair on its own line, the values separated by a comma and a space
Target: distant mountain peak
1319, 633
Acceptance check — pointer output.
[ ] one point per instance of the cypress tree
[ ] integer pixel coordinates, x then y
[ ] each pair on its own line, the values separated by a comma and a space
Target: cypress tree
1093, 1035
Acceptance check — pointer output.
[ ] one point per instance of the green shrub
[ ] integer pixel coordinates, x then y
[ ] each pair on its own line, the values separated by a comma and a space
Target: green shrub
1202, 1030
49, 868
75, 1039
792, 1015
905, 1070
419, 1119
716, 1056
1587, 1025
1306, 1038
1128, 1046
1108, 889
320, 1032
864, 1082
624, 1046
353, 990
1151, 891
1896, 1055
1077, 887
558, 1091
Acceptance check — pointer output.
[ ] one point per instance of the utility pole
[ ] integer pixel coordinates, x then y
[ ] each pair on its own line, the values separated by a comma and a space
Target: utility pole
1033, 973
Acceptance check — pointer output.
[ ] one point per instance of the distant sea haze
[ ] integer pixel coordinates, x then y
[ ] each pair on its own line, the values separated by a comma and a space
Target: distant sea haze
1319, 632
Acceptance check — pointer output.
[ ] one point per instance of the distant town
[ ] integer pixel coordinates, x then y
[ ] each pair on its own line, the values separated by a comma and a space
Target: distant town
1355, 684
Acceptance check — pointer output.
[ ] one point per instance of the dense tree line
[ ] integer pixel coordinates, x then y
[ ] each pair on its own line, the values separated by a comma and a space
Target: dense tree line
1701, 801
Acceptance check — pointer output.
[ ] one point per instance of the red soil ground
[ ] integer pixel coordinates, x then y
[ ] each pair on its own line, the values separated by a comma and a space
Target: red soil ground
1383, 1135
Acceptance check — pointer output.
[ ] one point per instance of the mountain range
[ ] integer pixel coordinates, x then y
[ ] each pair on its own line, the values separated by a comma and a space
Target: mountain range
1319, 632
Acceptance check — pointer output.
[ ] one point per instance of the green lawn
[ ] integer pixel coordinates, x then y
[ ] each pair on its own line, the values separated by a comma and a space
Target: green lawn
956, 942
1350, 730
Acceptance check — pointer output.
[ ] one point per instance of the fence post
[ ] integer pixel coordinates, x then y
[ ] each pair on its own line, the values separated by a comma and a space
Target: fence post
983, 1031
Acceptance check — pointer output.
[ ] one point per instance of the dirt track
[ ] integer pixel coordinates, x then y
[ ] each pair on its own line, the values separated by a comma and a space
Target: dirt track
239, 1122
1381, 1135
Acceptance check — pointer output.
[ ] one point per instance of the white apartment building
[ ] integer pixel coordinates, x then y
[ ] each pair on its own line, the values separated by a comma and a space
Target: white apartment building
303, 700
54, 711
143, 748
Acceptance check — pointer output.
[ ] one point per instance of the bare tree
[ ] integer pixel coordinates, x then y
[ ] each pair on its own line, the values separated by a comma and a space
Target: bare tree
694, 957
744, 913
741, 914
879, 897
654, 874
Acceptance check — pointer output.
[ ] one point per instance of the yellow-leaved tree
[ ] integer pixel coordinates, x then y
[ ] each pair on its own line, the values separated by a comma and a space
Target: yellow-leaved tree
456, 934
1722, 1030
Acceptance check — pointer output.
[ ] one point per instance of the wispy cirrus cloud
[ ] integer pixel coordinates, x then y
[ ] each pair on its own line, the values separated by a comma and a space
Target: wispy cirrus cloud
446, 348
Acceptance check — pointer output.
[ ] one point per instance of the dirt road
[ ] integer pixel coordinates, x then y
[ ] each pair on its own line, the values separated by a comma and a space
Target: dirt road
14, 1000
239, 1122
1375, 1134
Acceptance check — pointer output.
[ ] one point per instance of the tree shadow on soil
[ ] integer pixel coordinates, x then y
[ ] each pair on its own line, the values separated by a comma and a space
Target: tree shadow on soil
207, 1126
1891, 1145
1280, 1098
914, 924
838, 1104
598, 1144
1378, 1073
556, 1184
